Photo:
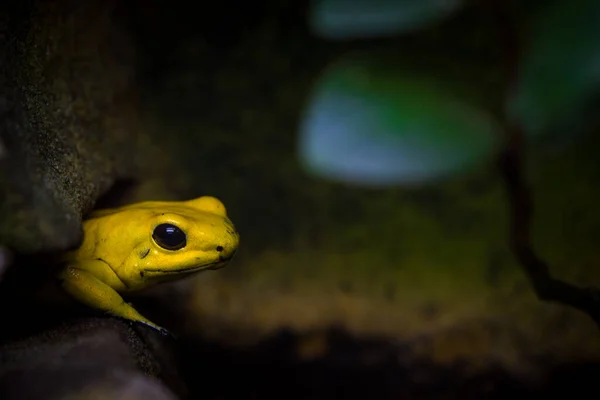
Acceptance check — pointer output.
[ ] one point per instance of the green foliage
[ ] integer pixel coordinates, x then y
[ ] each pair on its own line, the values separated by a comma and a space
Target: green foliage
560, 64
374, 121
371, 123
349, 19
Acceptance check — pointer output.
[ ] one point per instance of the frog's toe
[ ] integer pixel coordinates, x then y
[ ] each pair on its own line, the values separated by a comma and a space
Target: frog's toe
161, 330
166, 332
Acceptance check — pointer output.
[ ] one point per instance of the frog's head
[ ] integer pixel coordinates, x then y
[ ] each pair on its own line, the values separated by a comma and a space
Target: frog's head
182, 238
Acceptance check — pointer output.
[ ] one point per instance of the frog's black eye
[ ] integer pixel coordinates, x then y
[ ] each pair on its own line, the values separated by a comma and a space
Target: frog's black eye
169, 237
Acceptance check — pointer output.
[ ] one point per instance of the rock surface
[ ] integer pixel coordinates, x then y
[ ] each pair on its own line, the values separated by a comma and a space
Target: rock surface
69, 121
89, 359
70, 133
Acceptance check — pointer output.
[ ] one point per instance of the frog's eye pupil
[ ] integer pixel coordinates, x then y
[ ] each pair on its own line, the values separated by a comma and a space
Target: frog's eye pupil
169, 237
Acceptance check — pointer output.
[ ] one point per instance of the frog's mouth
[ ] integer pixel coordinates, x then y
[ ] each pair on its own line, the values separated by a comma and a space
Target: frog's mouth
210, 266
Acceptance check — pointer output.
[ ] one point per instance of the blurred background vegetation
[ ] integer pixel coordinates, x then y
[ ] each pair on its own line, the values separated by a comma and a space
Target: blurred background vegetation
415, 244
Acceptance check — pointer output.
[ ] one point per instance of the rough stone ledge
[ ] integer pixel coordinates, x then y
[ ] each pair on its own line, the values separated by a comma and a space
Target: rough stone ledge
88, 359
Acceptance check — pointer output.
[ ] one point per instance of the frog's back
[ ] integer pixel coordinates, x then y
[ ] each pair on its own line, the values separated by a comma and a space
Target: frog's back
107, 233
145, 207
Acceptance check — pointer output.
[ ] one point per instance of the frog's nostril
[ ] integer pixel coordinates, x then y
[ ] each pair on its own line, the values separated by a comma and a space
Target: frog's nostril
219, 248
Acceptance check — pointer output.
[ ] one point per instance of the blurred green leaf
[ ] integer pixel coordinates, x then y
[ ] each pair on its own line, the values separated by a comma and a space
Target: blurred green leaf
560, 66
349, 19
368, 123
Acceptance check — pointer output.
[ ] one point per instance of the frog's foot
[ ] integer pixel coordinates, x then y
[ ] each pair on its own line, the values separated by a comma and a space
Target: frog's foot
160, 329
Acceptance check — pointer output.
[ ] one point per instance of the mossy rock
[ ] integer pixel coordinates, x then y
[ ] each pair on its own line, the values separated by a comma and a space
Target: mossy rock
70, 120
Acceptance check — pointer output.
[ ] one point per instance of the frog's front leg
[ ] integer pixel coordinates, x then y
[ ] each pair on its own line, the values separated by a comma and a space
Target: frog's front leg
91, 291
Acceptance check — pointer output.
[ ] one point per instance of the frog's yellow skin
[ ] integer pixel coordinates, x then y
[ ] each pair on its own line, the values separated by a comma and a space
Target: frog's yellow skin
130, 248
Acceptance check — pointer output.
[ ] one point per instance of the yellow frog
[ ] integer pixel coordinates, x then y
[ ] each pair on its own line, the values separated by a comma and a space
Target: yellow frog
133, 247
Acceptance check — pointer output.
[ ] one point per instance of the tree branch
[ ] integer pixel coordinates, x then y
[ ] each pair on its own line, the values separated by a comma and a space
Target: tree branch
521, 212
512, 164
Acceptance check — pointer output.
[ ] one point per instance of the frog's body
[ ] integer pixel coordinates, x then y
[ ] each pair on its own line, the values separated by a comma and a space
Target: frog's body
133, 247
